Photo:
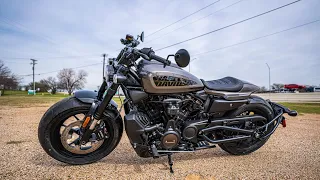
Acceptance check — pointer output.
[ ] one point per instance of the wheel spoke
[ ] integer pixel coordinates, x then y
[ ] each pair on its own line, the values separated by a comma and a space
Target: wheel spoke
76, 117
76, 128
85, 147
75, 140
70, 136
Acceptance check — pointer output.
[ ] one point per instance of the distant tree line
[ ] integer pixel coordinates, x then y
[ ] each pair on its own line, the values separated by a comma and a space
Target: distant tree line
276, 87
67, 79
8, 80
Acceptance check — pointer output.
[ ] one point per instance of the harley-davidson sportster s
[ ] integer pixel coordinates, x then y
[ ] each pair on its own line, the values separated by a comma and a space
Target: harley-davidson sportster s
166, 110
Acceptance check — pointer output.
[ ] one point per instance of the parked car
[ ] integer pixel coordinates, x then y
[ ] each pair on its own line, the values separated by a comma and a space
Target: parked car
283, 90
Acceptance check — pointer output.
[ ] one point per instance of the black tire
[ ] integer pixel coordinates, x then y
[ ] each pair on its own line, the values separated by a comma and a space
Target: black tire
49, 136
251, 145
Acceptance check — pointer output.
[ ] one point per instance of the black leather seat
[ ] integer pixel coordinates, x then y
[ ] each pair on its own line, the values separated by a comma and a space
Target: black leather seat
230, 84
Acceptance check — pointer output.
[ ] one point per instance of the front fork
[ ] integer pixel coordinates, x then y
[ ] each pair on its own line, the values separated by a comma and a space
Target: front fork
96, 111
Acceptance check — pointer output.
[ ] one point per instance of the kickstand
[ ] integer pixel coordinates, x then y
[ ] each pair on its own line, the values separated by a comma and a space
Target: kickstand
170, 163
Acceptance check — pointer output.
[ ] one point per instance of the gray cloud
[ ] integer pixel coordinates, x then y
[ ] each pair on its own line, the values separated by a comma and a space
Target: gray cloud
91, 28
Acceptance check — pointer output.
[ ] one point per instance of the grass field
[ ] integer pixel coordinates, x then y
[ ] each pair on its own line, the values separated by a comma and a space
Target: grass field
310, 108
22, 99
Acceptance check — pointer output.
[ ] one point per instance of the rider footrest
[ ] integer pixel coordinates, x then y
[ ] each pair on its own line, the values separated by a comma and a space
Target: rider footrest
154, 151
203, 144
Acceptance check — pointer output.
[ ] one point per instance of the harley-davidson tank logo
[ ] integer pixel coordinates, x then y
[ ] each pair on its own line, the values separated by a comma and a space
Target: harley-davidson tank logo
172, 81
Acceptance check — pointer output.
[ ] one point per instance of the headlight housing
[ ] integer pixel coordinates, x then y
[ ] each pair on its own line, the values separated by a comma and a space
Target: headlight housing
119, 78
115, 78
109, 71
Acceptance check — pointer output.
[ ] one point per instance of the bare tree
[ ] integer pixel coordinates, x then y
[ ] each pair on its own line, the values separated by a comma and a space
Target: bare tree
263, 89
7, 79
4, 71
277, 86
50, 82
40, 86
70, 80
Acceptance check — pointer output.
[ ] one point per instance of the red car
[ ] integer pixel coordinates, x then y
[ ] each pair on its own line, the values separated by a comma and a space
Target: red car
294, 86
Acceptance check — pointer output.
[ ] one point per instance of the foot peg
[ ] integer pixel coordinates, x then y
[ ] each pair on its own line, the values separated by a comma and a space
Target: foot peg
170, 163
203, 144
154, 151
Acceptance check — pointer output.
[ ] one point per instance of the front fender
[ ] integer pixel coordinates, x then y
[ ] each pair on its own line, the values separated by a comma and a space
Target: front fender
88, 97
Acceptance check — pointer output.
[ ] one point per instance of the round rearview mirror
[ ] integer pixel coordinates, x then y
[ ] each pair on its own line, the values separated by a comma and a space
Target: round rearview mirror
142, 36
182, 58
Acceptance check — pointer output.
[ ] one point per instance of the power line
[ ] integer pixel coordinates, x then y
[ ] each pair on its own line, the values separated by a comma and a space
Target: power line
15, 62
228, 25
61, 57
182, 19
64, 68
25, 29
194, 21
257, 38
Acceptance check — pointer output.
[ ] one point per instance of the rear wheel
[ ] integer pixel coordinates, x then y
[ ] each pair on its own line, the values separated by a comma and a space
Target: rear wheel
247, 146
59, 134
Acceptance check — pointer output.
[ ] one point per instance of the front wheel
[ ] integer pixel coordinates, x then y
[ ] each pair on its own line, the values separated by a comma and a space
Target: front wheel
247, 146
59, 132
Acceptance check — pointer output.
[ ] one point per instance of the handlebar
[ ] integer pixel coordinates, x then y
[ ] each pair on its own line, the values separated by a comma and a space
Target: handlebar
159, 59
149, 54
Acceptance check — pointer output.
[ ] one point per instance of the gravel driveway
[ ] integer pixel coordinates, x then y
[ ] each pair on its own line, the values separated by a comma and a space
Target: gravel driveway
291, 153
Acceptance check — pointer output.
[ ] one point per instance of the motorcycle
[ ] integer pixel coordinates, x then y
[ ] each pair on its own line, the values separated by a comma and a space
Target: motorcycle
167, 110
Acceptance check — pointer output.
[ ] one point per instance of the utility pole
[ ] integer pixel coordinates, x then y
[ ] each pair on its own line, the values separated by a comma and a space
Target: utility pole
269, 77
34, 85
104, 63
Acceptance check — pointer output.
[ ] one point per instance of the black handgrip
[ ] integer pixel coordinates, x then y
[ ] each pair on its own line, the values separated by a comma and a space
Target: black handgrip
160, 59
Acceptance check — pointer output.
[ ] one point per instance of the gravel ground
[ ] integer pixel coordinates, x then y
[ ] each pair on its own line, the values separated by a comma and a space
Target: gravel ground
291, 153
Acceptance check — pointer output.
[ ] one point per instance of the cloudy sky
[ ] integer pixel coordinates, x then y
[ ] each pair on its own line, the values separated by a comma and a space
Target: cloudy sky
68, 34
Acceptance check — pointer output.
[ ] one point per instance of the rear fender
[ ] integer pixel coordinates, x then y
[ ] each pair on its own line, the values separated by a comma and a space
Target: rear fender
258, 100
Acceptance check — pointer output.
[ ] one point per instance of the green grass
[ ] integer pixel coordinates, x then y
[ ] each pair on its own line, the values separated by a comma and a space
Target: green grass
310, 108
28, 101
25, 93
22, 99
117, 100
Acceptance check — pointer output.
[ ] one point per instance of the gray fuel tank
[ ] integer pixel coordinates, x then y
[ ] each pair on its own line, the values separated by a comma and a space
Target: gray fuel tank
171, 79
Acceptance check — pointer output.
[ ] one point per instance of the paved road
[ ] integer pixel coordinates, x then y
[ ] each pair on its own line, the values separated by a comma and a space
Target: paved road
292, 97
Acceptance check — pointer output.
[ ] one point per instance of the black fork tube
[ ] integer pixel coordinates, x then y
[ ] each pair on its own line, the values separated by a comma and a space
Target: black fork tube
102, 89
106, 100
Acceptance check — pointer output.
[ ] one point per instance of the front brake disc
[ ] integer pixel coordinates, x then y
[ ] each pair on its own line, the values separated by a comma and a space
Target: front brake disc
70, 139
